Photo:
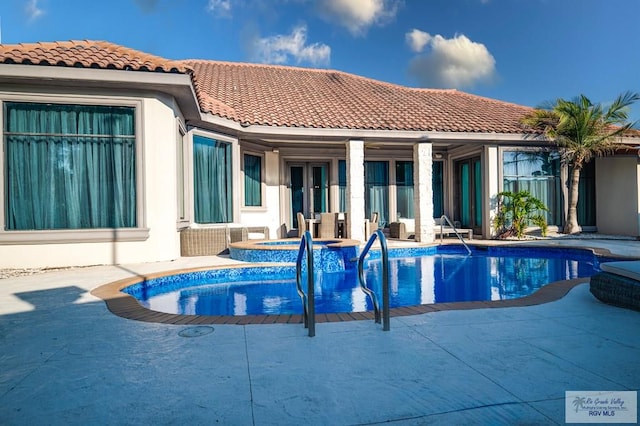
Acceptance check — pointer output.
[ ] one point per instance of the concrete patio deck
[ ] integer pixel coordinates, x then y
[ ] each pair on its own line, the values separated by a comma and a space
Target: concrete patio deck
66, 359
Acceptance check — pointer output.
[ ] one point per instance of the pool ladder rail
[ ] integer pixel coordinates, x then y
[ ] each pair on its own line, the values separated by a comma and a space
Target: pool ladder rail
308, 303
444, 219
386, 326
305, 253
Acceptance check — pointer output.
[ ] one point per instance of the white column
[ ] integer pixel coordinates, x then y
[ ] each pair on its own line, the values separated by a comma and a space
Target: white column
423, 191
492, 177
355, 189
272, 192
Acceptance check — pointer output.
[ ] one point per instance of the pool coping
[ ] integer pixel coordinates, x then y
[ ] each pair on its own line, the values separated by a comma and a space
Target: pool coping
126, 306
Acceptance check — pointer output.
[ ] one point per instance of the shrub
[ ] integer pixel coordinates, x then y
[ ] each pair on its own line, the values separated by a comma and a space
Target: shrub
516, 211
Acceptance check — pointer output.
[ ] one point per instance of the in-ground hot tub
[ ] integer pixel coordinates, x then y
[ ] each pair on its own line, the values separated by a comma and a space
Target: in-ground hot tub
329, 255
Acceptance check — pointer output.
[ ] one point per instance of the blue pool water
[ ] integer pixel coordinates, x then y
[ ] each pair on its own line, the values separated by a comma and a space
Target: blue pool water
445, 274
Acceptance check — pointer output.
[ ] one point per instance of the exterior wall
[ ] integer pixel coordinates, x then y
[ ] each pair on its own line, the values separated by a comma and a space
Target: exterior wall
156, 132
617, 198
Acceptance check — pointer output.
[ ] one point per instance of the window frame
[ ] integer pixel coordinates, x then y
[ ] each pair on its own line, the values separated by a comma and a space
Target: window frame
138, 233
183, 170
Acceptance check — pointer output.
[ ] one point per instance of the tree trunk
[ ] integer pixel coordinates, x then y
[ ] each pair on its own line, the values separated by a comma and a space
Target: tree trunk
572, 227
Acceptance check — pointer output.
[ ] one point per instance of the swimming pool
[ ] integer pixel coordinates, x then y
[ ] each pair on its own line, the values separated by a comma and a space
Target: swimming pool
440, 274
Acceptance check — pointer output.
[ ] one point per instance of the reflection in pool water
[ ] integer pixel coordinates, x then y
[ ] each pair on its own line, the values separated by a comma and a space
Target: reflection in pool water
437, 278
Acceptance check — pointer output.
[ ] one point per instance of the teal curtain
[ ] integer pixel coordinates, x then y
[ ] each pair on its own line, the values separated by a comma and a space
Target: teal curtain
212, 180
438, 189
69, 166
465, 196
252, 180
477, 192
376, 188
297, 194
320, 189
587, 195
539, 174
342, 185
404, 189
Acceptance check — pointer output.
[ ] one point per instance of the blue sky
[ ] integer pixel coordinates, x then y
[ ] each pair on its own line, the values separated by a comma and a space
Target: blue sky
523, 51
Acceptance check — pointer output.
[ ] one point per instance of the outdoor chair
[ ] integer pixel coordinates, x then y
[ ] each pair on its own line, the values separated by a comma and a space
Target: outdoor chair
371, 225
302, 224
328, 227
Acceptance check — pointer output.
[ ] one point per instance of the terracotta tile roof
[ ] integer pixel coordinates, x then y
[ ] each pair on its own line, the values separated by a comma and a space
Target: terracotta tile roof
299, 97
270, 95
86, 54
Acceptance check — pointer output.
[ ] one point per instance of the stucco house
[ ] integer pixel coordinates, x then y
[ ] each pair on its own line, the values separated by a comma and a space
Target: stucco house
109, 154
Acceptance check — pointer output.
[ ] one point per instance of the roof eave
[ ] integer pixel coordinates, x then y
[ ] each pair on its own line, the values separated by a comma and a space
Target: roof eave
177, 85
283, 133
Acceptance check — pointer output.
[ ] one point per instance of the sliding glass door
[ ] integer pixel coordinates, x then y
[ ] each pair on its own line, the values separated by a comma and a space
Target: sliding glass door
308, 190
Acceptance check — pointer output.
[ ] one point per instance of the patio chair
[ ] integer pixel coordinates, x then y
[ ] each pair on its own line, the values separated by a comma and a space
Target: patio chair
371, 225
302, 224
345, 225
328, 227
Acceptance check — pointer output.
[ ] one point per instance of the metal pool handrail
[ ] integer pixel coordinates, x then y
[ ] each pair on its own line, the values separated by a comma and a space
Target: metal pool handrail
445, 218
385, 279
308, 302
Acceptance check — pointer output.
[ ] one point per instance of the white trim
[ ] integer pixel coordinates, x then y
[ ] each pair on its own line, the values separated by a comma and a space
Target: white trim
182, 184
74, 236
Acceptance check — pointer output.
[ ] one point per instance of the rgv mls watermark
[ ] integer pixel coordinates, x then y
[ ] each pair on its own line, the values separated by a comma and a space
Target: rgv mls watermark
601, 406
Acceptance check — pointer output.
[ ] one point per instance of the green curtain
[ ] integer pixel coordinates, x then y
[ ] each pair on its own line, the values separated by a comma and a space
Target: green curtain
477, 192
404, 189
252, 180
212, 180
587, 195
465, 196
69, 166
342, 185
438, 189
376, 188
320, 189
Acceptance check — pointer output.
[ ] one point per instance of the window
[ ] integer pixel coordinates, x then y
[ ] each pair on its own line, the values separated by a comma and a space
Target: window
538, 173
69, 166
213, 194
376, 190
404, 189
252, 180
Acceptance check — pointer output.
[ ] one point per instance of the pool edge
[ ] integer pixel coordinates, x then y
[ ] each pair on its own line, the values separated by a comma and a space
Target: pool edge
125, 306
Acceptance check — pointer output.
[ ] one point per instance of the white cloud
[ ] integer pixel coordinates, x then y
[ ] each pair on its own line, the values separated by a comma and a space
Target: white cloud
32, 10
280, 49
221, 8
358, 15
453, 63
417, 39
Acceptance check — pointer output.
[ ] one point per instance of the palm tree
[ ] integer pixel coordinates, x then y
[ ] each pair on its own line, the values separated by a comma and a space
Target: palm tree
582, 130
